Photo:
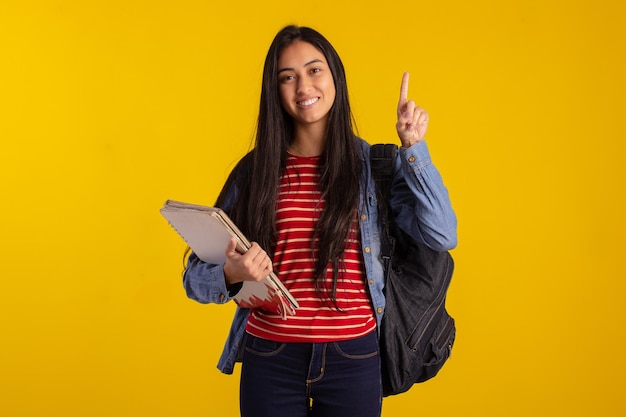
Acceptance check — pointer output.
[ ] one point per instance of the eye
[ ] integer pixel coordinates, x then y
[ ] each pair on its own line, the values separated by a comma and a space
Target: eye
315, 70
286, 78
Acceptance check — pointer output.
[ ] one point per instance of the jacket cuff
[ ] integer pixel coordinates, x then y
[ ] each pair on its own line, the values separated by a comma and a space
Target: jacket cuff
415, 157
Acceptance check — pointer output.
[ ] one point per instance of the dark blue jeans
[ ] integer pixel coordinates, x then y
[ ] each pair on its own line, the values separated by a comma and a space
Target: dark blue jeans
336, 379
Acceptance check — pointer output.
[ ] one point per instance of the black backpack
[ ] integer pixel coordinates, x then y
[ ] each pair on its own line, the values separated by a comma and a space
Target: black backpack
417, 333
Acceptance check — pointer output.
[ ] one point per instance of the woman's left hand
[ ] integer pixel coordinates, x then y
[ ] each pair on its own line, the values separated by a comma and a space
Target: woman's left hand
412, 119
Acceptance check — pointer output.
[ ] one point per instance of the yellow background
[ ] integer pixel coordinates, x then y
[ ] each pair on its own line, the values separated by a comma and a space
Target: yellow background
108, 108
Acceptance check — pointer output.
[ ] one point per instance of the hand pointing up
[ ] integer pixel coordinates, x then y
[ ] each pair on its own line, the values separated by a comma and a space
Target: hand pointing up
412, 119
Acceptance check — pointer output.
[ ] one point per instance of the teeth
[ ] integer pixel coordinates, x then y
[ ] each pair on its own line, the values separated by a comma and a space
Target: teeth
308, 102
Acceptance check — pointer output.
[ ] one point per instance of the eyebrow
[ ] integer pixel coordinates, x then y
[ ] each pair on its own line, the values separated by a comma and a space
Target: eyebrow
313, 61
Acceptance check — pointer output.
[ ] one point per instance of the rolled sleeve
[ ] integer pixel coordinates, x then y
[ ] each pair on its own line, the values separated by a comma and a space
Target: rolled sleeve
205, 283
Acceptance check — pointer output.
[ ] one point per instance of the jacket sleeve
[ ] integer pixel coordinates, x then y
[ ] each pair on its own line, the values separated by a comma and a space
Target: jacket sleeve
205, 282
420, 201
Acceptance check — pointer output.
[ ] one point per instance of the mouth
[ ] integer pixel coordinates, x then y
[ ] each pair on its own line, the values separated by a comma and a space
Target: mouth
308, 102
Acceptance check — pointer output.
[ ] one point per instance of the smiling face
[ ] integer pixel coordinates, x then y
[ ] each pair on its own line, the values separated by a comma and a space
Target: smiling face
306, 85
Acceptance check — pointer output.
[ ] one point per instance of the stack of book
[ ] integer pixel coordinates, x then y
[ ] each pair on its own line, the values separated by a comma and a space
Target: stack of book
208, 231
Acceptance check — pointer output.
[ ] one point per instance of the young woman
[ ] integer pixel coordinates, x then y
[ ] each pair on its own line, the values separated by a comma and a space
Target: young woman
305, 195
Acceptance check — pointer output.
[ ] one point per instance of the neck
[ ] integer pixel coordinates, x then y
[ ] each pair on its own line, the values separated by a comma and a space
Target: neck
308, 141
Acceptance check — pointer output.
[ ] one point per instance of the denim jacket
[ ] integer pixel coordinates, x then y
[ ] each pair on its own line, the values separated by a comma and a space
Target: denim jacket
421, 206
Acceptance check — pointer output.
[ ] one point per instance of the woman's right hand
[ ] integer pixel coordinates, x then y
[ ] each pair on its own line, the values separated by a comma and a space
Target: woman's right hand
254, 265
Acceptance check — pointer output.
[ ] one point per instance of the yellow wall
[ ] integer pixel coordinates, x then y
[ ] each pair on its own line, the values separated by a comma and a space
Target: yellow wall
108, 108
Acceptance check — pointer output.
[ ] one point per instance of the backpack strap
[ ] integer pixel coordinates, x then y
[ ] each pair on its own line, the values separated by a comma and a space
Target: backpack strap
382, 161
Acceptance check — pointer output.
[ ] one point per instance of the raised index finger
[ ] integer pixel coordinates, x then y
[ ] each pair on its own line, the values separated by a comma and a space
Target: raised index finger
404, 88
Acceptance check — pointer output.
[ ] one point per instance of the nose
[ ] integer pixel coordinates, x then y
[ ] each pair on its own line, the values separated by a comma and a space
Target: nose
303, 85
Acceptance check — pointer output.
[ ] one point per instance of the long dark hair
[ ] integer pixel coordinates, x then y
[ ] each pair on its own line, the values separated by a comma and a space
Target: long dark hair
340, 164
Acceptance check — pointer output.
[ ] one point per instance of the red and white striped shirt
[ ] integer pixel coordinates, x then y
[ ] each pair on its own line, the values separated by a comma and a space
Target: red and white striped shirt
317, 320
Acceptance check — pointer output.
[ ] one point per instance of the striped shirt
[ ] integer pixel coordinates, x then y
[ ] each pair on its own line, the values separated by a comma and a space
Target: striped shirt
317, 320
